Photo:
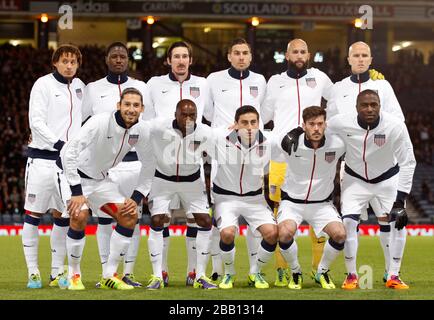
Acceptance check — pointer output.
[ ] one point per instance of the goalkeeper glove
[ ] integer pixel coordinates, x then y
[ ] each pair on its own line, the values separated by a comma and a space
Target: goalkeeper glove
399, 212
375, 75
290, 140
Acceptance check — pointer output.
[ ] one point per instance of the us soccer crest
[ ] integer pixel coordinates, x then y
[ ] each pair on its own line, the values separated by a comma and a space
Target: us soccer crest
330, 156
194, 145
31, 197
260, 150
194, 92
79, 93
254, 91
132, 139
311, 82
380, 139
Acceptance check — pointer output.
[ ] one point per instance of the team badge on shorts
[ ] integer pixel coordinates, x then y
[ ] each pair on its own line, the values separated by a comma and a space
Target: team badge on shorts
31, 197
260, 150
194, 92
254, 91
132, 139
311, 82
79, 93
330, 156
379, 139
194, 145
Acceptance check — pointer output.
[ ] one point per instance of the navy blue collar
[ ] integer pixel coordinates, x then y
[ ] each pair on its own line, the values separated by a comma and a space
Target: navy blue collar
116, 78
173, 77
239, 75
365, 125
60, 78
119, 120
294, 73
361, 77
309, 145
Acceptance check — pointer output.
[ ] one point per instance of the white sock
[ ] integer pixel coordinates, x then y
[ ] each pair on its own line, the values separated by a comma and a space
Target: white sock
291, 255
265, 252
155, 247
331, 251
228, 257
217, 263
133, 249
58, 245
253, 244
351, 245
103, 236
119, 243
75, 242
397, 244
30, 240
166, 244
190, 242
385, 242
203, 243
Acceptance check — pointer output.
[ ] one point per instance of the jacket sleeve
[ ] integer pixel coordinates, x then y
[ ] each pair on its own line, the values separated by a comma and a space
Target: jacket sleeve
38, 112
267, 108
391, 104
208, 112
86, 106
406, 160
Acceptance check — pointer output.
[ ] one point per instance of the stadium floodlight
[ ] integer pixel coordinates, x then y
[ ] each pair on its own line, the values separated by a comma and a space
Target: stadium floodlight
255, 21
358, 23
150, 20
44, 18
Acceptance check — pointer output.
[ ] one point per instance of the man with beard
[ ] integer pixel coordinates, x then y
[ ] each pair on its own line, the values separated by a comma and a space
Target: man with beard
165, 92
102, 96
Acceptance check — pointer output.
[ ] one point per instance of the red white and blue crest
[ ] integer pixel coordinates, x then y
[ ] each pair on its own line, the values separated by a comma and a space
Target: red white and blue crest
194, 145
132, 139
194, 92
254, 91
260, 150
330, 156
311, 82
380, 139
31, 197
79, 93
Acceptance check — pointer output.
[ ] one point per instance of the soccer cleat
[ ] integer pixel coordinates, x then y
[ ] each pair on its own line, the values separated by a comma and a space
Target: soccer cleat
296, 281
282, 276
130, 279
204, 283
75, 283
165, 278
115, 283
190, 278
34, 282
325, 281
258, 281
61, 280
350, 282
396, 283
216, 278
385, 275
155, 283
227, 282
313, 276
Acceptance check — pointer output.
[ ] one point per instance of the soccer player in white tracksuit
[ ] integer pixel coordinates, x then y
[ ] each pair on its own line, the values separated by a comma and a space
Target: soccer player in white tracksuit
177, 146
165, 92
84, 182
241, 157
230, 89
54, 117
307, 195
379, 164
343, 99
102, 96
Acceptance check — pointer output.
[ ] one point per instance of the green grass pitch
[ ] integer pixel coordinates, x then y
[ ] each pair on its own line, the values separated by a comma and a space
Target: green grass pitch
417, 271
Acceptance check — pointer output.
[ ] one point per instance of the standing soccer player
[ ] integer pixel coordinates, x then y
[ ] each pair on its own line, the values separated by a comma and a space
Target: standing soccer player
54, 117
103, 96
84, 183
231, 89
307, 195
165, 92
379, 165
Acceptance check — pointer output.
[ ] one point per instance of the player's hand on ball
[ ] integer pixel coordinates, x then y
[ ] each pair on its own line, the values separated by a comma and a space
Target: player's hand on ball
401, 217
375, 75
290, 140
129, 208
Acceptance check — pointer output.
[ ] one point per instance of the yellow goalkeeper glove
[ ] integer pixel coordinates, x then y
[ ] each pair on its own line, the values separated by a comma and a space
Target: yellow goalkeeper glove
376, 75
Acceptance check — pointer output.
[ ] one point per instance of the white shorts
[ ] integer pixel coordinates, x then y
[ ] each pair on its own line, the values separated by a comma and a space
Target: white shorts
40, 187
356, 194
318, 215
126, 175
254, 209
97, 193
192, 196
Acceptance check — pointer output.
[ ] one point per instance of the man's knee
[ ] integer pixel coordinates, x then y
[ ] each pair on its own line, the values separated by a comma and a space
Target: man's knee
79, 222
203, 220
227, 235
157, 221
269, 233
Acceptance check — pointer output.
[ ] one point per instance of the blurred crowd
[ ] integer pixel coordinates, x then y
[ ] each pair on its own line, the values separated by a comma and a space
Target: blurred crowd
21, 66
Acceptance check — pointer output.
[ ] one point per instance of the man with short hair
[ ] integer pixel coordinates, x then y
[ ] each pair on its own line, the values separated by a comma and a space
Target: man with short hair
84, 183
54, 117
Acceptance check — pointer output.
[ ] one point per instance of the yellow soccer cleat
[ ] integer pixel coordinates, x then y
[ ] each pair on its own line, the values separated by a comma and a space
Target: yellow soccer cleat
350, 282
296, 282
396, 283
282, 276
155, 283
258, 281
204, 283
75, 283
325, 281
227, 282
115, 283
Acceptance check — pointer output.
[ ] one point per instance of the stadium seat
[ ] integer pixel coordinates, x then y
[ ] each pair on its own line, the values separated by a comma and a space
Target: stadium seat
17, 218
6, 219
